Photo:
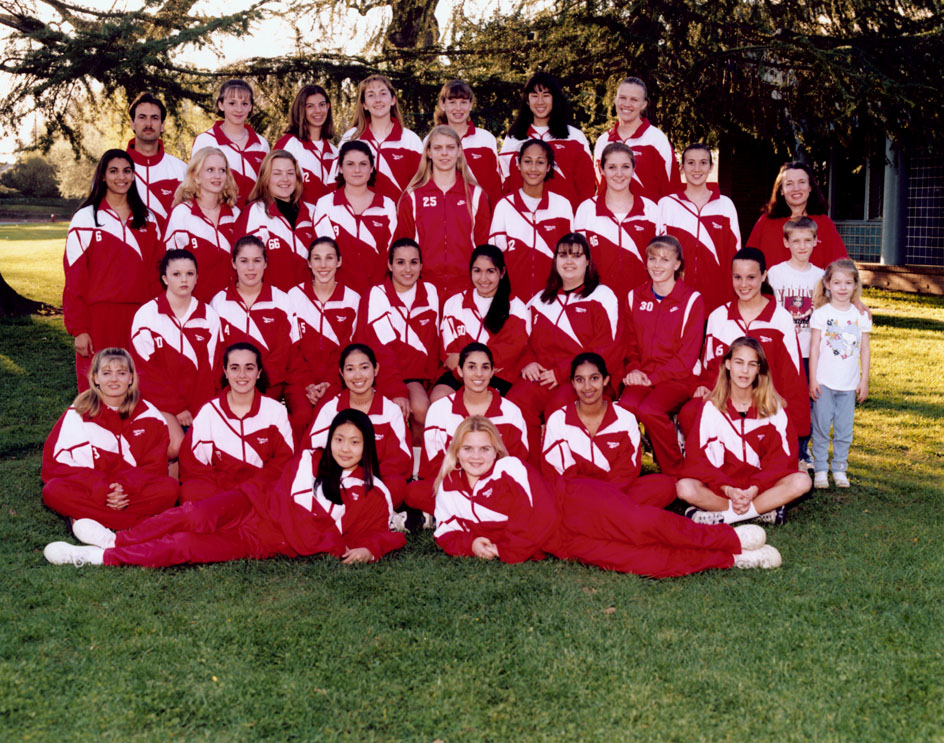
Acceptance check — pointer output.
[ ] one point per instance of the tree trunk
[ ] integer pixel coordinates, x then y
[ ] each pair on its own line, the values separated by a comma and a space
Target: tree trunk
414, 24
15, 305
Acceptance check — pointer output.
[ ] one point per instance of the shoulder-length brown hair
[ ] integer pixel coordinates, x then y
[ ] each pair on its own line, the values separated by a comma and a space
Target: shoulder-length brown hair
765, 400
298, 122
260, 190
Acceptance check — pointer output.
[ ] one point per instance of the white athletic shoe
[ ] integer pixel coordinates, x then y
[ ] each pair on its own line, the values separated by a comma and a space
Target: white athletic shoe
766, 557
89, 531
821, 480
841, 479
704, 517
752, 537
63, 553
428, 521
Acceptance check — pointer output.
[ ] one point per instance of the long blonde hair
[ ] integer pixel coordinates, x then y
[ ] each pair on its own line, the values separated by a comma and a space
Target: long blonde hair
361, 117
425, 171
260, 190
189, 188
821, 291
765, 399
472, 424
90, 402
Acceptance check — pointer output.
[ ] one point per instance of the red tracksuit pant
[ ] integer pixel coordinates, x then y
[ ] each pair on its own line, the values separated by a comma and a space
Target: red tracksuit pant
71, 497
654, 408
536, 401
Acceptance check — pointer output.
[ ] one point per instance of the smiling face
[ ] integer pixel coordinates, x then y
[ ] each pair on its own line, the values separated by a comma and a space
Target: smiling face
250, 265
146, 124
347, 446
796, 188
378, 100
485, 276
800, 243
476, 454
541, 102
405, 267
571, 263
119, 176
457, 110
355, 168
630, 102
316, 112
743, 367
841, 286
589, 383
113, 380
242, 370
324, 263
235, 107
618, 171
533, 165
696, 166
283, 179
211, 178
443, 152
661, 263
358, 373
476, 372
180, 278
747, 279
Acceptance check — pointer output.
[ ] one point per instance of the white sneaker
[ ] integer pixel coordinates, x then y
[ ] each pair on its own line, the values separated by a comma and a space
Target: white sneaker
89, 531
752, 536
63, 553
428, 521
841, 479
821, 480
766, 557
398, 522
704, 517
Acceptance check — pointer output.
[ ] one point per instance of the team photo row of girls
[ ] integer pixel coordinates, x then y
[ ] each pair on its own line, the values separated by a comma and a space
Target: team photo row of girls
311, 314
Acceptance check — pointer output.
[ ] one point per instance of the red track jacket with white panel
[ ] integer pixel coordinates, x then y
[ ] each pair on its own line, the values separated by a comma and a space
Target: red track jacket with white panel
396, 158
573, 178
211, 244
481, 155
710, 237
776, 332
243, 161
619, 247
528, 239
286, 247
222, 451
157, 178
176, 359
363, 239
316, 160
463, 323
657, 171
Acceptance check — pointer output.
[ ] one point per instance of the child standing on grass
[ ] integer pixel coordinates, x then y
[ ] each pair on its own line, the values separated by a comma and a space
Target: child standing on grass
839, 346
794, 282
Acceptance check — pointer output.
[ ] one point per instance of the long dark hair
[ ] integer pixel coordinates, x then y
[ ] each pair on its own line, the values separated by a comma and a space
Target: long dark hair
555, 283
139, 212
501, 303
329, 471
560, 108
756, 255
777, 206
262, 383
298, 122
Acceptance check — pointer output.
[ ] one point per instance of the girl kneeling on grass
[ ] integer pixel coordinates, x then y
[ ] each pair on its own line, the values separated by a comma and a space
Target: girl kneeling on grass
740, 456
329, 504
490, 505
106, 457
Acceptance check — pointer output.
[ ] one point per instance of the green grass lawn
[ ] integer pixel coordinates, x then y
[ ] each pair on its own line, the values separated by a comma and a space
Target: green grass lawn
843, 643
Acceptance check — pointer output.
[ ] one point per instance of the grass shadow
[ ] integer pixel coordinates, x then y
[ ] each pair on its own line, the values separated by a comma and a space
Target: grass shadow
907, 323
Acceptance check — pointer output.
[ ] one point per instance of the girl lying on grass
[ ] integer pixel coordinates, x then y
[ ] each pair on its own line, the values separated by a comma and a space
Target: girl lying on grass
333, 504
490, 505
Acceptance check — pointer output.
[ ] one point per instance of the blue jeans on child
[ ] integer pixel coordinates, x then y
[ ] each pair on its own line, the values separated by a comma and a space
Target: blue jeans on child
834, 408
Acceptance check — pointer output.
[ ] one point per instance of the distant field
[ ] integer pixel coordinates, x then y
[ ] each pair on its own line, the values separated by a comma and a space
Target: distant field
31, 259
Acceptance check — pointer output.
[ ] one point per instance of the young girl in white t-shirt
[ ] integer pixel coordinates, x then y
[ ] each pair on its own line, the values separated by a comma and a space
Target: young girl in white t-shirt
839, 346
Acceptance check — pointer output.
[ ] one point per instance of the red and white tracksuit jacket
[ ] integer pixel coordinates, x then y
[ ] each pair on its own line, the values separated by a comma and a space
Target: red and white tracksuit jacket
767, 235
110, 271
363, 239
612, 454
619, 247
176, 359
316, 160
710, 237
211, 244
573, 178
481, 155
514, 508
222, 451
157, 178
528, 239
776, 332
396, 158
447, 225
83, 457
243, 161
391, 435
289, 518
267, 325
463, 323
286, 246
657, 171
725, 448
405, 340
663, 339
